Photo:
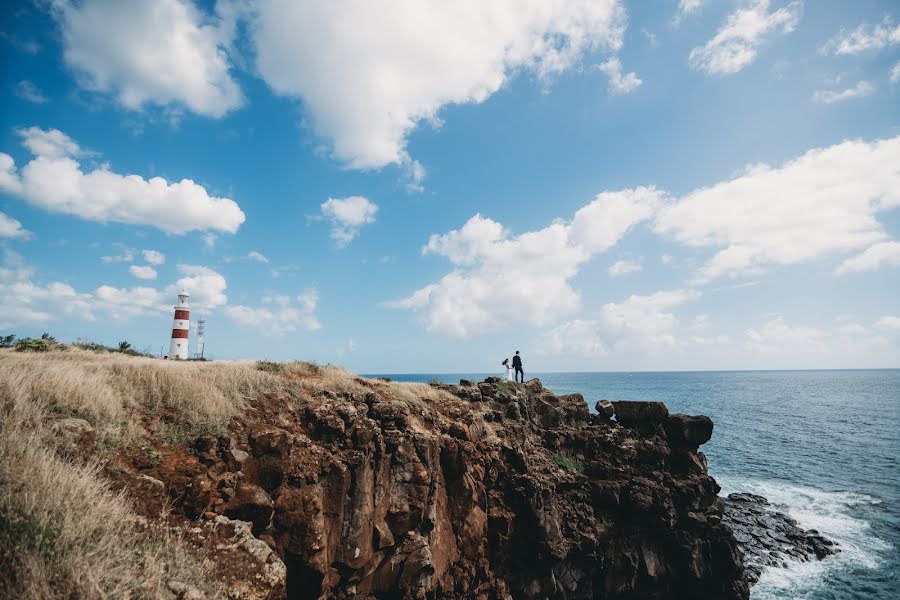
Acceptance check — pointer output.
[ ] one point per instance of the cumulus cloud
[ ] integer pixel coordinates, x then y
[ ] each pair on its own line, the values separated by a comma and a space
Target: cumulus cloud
499, 278
55, 181
890, 322
206, 286
29, 92
860, 90
895, 72
257, 256
142, 271
348, 216
369, 73
127, 255
823, 203
619, 83
644, 323
873, 257
735, 45
279, 314
865, 38
161, 52
23, 302
623, 267
11, 228
154, 257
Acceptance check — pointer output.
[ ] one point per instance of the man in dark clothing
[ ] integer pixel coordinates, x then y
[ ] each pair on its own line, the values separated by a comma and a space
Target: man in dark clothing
517, 365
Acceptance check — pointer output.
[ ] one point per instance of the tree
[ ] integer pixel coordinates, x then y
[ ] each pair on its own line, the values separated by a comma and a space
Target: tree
123, 346
7, 341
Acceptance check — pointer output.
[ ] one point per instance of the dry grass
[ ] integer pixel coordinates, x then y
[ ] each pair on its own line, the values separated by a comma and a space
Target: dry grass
63, 533
105, 390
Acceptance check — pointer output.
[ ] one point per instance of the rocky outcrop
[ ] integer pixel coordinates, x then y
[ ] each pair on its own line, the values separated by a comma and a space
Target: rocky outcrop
769, 538
493, 491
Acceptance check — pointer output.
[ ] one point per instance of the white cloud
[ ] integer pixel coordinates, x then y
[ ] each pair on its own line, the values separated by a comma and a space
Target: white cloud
665, 259
573, 338
127, 255
500, 279
11, 228
142, 271
28, 91
890, 322
865, 38
819, 204
644, 323
154, 257
895, 72
162, 52
24, 302
206, 286
257, 256
619, 83
623, 267
55, 181
860, 90
370, 72
777, 336
875, 256
735, 45
686, 8
348, 216
279, 314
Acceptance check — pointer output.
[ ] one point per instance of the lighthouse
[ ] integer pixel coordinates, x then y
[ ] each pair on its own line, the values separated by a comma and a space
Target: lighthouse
179, 346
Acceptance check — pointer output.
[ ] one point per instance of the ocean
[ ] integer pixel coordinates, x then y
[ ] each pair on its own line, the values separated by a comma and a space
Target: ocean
823, 445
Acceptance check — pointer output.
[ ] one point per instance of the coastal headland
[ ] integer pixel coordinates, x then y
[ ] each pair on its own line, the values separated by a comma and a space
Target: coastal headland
139, 477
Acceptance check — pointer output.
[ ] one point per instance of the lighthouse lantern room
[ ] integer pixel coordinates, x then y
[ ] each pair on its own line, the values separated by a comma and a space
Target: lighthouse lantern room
180, 326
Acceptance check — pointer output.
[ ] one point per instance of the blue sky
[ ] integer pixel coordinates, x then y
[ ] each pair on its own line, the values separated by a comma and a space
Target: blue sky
420, 187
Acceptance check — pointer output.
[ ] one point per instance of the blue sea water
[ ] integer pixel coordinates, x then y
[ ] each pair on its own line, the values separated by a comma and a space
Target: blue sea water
824, 445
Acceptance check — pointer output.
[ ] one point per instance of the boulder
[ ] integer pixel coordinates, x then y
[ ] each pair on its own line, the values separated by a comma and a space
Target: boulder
639, 411
686, 431
605, 409
534, 385
250, 503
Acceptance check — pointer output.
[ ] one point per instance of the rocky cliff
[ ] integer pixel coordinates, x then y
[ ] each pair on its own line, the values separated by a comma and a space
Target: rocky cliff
496, 490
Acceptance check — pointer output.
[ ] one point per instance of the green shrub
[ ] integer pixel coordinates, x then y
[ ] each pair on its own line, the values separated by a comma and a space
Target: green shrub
42, 344
568, 463
269, 366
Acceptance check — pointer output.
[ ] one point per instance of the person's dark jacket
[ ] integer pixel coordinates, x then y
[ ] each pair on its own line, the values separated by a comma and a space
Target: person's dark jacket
517, 362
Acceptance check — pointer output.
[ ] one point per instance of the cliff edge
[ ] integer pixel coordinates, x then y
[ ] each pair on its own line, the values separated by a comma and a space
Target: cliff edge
329, 485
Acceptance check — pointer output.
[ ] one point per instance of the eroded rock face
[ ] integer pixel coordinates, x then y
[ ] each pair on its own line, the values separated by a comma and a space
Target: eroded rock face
769, 538
498, 491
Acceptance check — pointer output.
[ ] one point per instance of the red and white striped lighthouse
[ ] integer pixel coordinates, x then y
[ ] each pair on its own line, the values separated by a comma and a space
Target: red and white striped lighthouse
180, 326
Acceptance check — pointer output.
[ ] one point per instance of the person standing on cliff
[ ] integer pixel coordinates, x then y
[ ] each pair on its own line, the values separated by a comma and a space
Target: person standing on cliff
517, 365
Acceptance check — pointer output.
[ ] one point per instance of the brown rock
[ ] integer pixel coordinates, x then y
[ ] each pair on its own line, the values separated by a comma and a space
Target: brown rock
638, 411
250, 503
689, 432
605, 409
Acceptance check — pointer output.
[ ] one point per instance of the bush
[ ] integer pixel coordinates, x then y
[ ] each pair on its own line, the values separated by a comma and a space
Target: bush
568, 463
269, 366
7, 341
42, 344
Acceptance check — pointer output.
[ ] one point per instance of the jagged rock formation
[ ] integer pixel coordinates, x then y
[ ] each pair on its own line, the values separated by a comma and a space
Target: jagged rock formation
496, 491
770, 538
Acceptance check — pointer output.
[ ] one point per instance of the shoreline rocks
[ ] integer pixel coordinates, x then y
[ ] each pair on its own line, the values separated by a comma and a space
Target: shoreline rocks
769, 538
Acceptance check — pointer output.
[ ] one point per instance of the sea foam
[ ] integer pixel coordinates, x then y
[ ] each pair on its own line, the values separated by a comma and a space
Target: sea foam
833, 514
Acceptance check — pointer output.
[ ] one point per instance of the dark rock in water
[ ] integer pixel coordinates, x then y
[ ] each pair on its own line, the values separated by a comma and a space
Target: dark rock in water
768, 538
